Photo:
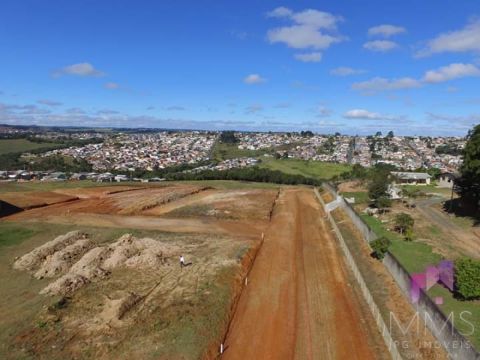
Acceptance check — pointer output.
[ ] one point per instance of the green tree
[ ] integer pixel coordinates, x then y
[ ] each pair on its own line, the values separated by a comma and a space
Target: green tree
380, 247
467, 278
403, 222
469, 182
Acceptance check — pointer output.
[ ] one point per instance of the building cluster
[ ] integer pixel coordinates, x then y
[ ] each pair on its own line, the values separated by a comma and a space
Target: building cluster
127, 152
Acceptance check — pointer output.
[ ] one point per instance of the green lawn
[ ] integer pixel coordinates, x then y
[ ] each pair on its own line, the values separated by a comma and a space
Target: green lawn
313, 169
361, 197
11, 234
470, 309
21, 145
414, 256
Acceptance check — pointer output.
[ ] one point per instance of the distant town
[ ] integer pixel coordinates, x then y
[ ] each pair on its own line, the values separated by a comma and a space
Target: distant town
114, 154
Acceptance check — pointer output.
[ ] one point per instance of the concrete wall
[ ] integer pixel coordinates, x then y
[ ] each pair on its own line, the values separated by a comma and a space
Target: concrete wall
457, 346
382, 327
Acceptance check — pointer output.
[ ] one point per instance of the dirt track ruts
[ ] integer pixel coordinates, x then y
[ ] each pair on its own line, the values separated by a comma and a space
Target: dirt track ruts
299, 303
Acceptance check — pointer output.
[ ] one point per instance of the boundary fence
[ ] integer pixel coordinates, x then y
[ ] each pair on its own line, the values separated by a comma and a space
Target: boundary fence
457, 346
384, 330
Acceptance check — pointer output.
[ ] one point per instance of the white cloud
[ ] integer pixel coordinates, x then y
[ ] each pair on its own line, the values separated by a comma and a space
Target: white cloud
254, 79
380, 45
323, 111
466, 39
307, 30
302, 37
49, 102
309, 57
316, 19
280, 12
386, 30
450, 72
111, 85
346, 71
381, 84
175, 108
471, 119
80, 69
252, 109
362, 114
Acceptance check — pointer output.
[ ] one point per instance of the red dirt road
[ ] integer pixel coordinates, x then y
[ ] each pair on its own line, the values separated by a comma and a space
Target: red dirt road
298, 303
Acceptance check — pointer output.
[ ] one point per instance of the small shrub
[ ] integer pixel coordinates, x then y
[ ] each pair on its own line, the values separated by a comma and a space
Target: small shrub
467, 278
380, 247
409, 235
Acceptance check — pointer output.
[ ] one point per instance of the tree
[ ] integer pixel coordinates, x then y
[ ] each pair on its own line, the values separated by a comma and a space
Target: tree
403, 222
469, 182
377, 190
228, 137
380, 247
378, 134
467, 278
390, 134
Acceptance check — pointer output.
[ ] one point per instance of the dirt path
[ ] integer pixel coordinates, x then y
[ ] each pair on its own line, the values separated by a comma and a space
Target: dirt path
465, 240
299, 302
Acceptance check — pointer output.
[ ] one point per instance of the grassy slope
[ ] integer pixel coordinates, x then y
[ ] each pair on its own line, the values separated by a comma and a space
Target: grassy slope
315, 169
21, 145
415, 257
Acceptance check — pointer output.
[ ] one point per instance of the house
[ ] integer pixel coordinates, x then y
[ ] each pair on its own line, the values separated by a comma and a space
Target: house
446, 180
412, 178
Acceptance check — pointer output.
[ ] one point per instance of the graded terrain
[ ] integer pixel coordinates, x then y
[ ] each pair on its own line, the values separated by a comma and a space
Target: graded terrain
97, 273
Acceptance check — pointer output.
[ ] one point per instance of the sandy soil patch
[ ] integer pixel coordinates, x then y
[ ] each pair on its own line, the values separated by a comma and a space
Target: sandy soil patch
222, 204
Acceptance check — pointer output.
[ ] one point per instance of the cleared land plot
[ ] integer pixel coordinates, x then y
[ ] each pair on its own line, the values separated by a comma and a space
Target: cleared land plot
133, 306
222, 204
300, 301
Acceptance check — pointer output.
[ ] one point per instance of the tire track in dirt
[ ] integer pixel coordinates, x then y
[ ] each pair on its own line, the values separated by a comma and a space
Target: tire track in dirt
299, 303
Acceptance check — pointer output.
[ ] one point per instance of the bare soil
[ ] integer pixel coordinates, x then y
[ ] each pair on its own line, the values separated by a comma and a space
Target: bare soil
300, 300
29, 200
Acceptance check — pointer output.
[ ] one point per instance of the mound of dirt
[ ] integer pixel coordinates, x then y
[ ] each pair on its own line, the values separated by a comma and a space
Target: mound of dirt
81, 273
38, 255
97, 263
60, 261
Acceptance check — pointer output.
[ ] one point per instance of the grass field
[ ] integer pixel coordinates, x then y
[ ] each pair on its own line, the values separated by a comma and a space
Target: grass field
223, 151
313, 169
21, 145
361, 197
415, 256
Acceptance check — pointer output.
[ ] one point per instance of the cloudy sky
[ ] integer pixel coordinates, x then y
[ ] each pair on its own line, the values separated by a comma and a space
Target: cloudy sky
351, 66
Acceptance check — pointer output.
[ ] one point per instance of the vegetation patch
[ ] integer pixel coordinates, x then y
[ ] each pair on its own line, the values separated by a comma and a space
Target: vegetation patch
13, 234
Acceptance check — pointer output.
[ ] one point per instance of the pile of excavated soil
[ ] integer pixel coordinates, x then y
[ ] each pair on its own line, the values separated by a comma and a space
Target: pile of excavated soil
38, 255
60, 261
80, 261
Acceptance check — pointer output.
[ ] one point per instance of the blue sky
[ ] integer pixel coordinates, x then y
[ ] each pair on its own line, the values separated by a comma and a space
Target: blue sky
351, 66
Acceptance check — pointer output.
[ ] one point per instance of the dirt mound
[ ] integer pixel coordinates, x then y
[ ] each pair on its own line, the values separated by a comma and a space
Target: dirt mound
62, 260
34, 258
97, 263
